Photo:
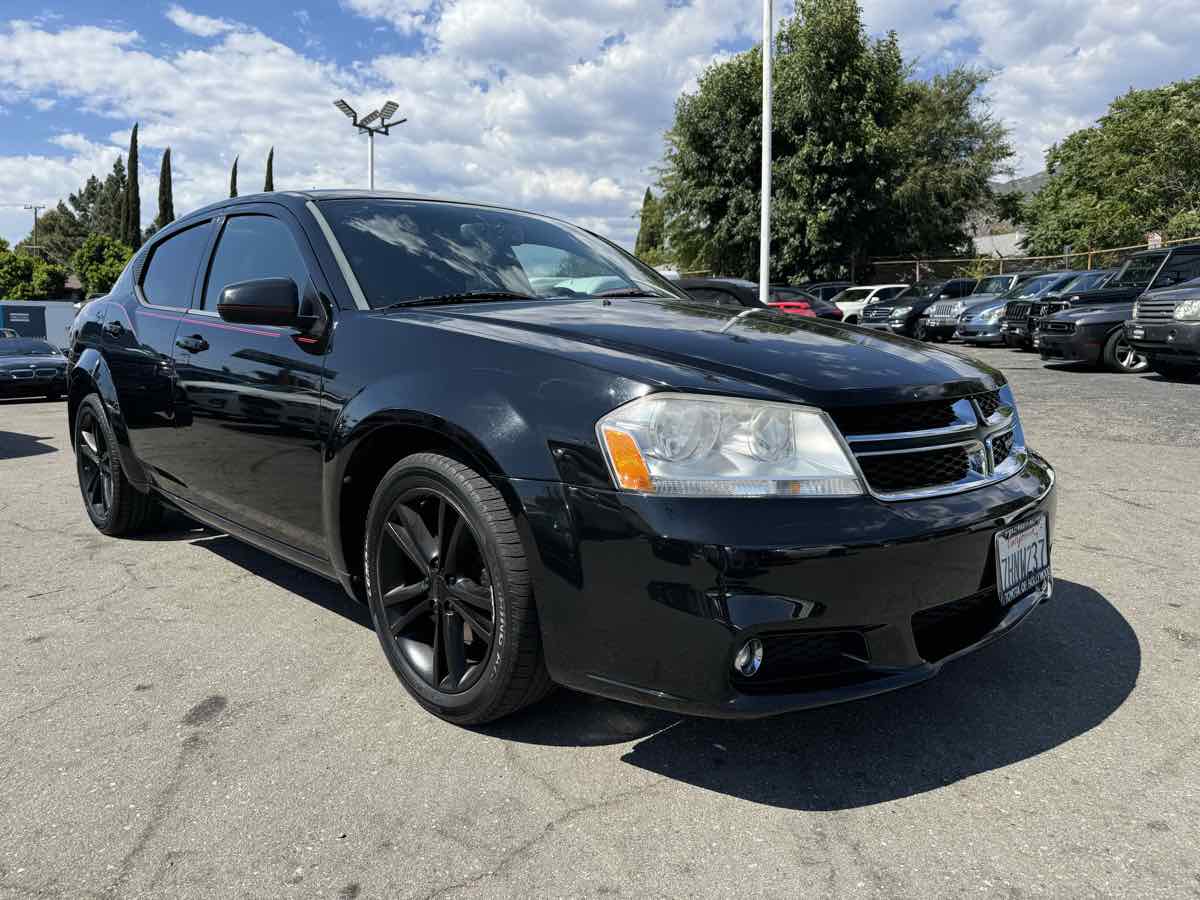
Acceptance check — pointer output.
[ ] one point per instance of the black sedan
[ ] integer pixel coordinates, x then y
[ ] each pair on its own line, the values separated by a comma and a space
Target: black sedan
31, 368
532, 477
737, 292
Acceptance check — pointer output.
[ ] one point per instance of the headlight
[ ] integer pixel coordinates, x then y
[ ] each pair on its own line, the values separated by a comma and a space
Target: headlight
687, 445
1188, 311
901, 311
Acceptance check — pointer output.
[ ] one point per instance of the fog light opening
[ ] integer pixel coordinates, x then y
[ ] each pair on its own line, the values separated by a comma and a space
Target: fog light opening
749, 658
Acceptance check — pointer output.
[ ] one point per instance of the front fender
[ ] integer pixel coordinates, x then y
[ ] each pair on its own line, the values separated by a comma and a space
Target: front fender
91, 374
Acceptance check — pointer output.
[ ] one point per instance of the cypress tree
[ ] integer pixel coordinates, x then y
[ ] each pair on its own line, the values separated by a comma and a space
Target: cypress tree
166, 202
269, 184
233, 179
132, 214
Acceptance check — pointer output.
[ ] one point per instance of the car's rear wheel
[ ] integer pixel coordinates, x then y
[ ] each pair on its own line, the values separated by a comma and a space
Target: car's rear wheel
1173, 371
448, 586
114, 505
1119, 355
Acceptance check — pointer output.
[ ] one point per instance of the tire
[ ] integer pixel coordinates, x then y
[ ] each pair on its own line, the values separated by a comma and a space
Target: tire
921, 331
1118, 356
448, 586
114, 505
1173, 371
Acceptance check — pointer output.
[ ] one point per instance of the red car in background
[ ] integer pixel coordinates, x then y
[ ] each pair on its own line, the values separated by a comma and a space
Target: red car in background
737, 292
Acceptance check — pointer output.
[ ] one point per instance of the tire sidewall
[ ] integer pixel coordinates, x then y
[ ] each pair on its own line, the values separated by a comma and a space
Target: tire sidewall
490, 687
92, 404
1111, 360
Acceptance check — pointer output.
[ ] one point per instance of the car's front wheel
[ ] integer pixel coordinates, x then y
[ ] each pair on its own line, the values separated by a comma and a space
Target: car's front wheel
1119, 356
449, 590
113, 504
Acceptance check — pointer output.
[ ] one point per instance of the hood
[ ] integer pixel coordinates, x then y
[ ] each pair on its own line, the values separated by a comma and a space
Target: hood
673, 343
1103, 295
1096, 313
41, 360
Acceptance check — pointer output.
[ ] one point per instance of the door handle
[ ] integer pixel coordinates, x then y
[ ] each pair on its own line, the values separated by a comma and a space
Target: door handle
114, 329
193, 344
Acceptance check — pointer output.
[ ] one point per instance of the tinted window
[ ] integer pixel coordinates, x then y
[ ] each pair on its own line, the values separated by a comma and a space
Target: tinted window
171, 272
1179, 268
253, 247
1138, 271
996, 284
407, 250
854, 295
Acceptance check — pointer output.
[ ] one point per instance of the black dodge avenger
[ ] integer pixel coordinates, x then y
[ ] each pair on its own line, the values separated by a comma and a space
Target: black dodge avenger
538, 462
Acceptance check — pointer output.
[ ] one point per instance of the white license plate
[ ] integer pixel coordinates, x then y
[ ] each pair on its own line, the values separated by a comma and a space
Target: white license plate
1022, 559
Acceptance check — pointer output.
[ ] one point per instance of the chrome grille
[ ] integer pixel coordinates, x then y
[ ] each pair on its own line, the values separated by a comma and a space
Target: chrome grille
1155, 310
876, 313
1016, 310
928, 448
944, 311
47, 373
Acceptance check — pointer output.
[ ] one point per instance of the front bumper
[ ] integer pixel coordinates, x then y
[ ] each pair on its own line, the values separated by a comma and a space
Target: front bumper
1016, 332
1083, 345
1171, 342
942, 329
980, 332
647, 599
32, 387
891, 326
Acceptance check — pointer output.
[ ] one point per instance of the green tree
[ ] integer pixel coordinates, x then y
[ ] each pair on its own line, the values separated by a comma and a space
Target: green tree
233, 179
26, 277
651, 230
269, 182
1184, 224
131, 231
59, 235
860, 151
107, 213
100, 261
1129, 174
166, 198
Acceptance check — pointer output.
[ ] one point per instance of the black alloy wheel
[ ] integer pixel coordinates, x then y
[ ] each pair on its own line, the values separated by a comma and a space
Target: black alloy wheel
437, 590
93, 459
1119, 355
448, 585
114, 505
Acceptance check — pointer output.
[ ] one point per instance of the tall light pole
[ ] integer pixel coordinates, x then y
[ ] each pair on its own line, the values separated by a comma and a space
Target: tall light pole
36, 209
764, 237
371, 124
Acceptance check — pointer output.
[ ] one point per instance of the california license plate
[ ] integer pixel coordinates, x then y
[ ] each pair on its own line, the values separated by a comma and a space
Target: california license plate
1022, 559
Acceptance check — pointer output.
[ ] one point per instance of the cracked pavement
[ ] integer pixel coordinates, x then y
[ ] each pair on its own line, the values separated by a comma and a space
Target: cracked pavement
183, 716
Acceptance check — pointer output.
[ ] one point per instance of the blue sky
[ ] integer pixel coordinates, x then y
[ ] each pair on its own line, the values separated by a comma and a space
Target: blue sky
553, 105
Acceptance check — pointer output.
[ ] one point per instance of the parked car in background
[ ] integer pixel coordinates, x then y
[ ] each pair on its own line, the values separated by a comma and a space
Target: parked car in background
738, 292
1165, 328
906, 312
786, 298
823, 290
8, 333
945, 316
1092, 327
628, 493
30, 367
1054, 301
992, 286
852, 300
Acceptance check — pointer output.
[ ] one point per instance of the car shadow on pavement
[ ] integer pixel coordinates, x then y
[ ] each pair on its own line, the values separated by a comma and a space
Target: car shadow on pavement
16, 445
1062, 673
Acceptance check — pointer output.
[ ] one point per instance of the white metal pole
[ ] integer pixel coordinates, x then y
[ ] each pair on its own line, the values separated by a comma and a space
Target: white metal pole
371, 159
764, 240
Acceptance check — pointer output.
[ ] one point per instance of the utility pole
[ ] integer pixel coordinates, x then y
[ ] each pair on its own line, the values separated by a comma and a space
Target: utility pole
36, 209
764, 238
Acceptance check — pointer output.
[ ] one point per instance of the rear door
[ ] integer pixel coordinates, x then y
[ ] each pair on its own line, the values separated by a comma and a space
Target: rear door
248, 446
137, 340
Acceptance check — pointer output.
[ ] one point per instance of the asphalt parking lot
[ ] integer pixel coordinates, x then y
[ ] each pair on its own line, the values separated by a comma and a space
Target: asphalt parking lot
183, 716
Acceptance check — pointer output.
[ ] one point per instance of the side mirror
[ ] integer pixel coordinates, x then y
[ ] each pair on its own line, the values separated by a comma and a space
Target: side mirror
264, 301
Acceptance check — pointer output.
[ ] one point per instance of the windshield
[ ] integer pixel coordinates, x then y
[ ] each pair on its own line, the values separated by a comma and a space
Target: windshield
1089, 281
997, 284
922, 290
1034, 287
1137, 271
25, 347
853, 295
413, 250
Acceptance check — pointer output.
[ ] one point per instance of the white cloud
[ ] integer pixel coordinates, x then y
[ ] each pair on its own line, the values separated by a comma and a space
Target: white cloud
202, 26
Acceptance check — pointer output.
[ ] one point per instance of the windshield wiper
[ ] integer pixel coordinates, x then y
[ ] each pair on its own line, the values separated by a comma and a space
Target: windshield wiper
628, 292
462, 297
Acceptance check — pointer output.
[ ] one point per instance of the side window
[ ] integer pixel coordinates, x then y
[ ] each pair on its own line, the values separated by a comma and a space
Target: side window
171, 271
713, 295
253, 247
